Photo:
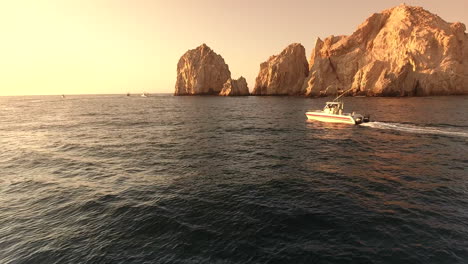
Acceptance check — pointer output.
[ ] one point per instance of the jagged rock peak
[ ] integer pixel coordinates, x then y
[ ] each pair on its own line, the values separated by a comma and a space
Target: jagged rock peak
405, 50
201, 71
235, 87
283, 74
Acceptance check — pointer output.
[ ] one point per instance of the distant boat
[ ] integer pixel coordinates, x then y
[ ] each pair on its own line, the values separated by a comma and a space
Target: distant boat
144, 94
128, 94
63, 96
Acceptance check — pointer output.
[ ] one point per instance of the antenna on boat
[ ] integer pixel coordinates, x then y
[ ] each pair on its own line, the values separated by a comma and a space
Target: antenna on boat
342, 94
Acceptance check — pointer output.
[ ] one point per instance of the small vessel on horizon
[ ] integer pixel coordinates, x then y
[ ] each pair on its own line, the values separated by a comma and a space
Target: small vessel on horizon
333, 113
144, 94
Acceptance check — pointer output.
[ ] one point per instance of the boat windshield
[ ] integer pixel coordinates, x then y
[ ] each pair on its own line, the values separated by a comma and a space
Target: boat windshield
333, 107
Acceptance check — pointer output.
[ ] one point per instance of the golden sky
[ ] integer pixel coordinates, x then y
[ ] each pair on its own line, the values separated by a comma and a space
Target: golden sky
120, 46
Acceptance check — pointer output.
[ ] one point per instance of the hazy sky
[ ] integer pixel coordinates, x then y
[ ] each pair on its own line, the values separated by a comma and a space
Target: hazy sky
119, 46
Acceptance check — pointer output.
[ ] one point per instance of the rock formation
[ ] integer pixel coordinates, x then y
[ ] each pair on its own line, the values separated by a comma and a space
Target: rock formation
201, 72
235, 87
283, 74
402, 51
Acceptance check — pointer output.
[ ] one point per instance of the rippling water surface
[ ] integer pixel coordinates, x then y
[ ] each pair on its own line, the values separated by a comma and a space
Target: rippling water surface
114, 179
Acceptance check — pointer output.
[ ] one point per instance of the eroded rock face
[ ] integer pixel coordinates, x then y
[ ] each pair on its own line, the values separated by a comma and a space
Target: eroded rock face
201, 72
283, 74
403, 51
235, 87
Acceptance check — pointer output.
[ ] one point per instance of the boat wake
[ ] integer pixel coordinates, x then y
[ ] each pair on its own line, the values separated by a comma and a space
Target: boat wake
446, 131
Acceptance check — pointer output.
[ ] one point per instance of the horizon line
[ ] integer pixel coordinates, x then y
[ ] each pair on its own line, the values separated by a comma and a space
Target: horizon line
12, 95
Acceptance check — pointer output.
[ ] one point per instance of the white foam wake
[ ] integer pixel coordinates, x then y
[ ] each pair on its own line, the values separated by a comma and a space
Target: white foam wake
418, 129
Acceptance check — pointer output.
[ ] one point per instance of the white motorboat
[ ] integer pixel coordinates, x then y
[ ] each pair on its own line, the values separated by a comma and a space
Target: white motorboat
333, 112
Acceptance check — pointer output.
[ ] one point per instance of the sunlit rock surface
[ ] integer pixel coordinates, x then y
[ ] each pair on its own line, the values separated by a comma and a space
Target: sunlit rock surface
283, 74
201, 71
403, 51
235, 87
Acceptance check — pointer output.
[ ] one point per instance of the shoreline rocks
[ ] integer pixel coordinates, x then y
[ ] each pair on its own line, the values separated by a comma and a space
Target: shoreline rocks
283, 74
201, 71
235, 87
402, 51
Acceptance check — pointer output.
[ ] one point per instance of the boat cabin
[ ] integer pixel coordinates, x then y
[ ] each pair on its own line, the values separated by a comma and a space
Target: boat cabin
335, 108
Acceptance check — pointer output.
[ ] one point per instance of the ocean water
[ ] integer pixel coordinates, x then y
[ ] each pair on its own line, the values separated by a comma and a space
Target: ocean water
163, 179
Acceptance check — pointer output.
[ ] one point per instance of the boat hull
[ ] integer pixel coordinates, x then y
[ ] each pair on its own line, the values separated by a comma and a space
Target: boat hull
330, 118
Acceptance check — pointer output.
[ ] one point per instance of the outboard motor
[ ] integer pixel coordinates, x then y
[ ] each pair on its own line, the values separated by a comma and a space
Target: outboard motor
358, 119
366, 118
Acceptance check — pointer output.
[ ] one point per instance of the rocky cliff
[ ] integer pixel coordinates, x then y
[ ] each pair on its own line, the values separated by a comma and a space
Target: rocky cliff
283, 74
403, 51
235, 87
201, 72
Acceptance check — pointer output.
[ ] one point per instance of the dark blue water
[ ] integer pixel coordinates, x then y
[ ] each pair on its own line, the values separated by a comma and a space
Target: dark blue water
112, 179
